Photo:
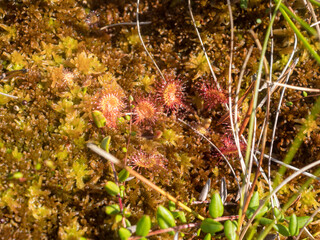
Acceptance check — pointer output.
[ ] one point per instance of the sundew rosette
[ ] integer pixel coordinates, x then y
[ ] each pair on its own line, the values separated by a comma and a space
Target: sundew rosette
111, 105
154, 162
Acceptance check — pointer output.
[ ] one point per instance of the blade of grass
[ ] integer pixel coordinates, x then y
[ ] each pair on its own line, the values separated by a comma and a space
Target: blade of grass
300, 36
314, 16
311, 30
315, 2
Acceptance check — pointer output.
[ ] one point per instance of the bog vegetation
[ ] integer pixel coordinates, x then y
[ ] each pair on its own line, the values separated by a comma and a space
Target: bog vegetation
184, 99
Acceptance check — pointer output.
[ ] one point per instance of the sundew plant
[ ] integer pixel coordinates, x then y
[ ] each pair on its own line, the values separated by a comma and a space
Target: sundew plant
171, 119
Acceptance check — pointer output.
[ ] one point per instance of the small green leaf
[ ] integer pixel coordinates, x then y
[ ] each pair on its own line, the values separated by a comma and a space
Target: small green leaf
216, 207
128, 223
172, 206
289, 104
293, 225
277, 212
124, 233
254, 201
105, 143
199, 232
305, 94
17, 175
283, 230
122, 188
265, 221
143, 226
123, 175
302, 221
262, 212
165, 218
230, 228
210, 226
112, 209
118, 218
99, 119
207, 237
182, 217
112, 188
251, 211
244, 4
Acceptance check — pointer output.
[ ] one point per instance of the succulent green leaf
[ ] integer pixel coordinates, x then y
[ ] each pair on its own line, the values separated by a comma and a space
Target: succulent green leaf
123, 175
254, 201
112, 188
207, 237
182, 217
293, 225
105, 143
112, 209
304, 93
277, 212
265, 221
128, 223
143, 226
165, 218
262, 212
124, 233
210, 226
302, 221
172, 205
99, 119
216, 207
230, 228
122, 189
118, 218
199, 232
283, 230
